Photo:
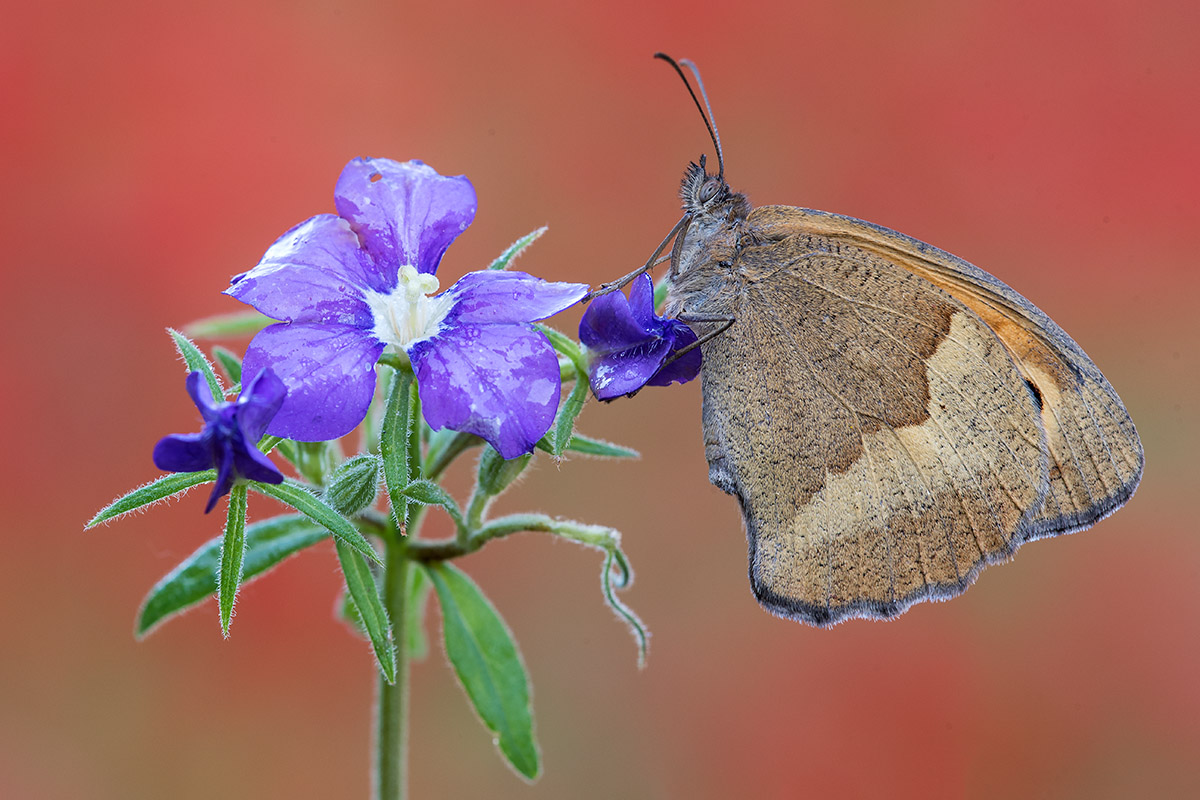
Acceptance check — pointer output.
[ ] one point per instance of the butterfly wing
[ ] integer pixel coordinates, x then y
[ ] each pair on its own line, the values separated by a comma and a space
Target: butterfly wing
879, 433
1095, 454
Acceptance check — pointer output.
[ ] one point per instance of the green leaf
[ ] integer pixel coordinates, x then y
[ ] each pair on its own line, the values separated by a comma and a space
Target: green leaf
497, 473
233, 549
241, 323
564, 421
428, 493
489, 667
394, 444
229, 362
197, 362
418, 590
365, 594
161, 489
268, 543
354, 484
347, 612
588, 446
515, 249
293, 494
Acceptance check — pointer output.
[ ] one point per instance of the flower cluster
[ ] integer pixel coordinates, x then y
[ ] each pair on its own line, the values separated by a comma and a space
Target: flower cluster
348, 287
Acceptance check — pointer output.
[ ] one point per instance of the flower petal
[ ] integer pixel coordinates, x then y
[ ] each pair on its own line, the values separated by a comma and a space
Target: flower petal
492, 296
623, 371
184, 452
403, 213
226, 475
259, 403
641, 300
609, 325
313, 273
500, 382
329, 372
201, 394
250, 462
684, 368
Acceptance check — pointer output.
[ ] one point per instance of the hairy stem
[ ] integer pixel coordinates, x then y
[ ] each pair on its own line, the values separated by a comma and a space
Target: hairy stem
391, 763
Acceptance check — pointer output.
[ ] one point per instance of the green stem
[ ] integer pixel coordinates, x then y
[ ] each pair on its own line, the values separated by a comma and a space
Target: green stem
392, 714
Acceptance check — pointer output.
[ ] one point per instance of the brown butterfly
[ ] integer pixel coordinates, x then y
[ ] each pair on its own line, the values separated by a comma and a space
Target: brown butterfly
891, 418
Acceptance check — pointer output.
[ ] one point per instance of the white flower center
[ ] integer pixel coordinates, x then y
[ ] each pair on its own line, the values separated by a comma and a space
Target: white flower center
408, 314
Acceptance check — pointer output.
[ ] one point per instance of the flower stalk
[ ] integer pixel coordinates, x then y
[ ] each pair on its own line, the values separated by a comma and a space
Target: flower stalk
391, 716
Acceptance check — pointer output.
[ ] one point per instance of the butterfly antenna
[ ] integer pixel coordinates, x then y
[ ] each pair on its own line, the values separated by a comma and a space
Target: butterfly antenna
705, 110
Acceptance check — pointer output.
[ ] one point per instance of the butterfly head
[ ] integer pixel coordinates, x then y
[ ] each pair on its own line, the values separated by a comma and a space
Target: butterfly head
704, 193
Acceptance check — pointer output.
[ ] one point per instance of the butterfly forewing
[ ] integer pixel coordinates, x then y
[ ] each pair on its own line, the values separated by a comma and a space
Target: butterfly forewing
883, 438
1095, 455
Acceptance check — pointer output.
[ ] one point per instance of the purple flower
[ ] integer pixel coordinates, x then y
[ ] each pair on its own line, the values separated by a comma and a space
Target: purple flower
628, 344
231, 431
347, 287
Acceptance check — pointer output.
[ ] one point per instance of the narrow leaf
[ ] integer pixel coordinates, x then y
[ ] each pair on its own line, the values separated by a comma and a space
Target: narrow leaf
293, 494
241, 323
268, 543
365, 594
516, 248
588, 446
196, 361
229, 362
393, 443
428, 493
564, 422
164, 488
233, 549
488, 665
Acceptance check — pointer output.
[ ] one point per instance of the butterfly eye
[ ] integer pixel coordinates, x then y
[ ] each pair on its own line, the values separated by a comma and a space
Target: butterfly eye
709, 190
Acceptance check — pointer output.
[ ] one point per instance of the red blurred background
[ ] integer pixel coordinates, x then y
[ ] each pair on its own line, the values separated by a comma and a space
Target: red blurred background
151, 150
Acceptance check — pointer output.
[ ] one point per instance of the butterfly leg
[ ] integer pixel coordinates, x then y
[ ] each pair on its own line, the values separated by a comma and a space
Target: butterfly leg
725, 324
613, 286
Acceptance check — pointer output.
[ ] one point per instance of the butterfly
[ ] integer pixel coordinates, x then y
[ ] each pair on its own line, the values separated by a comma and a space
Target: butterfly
891, 418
